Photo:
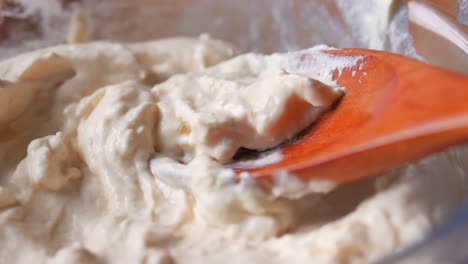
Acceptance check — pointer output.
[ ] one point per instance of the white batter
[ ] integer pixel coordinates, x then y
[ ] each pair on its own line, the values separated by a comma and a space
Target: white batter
114, 153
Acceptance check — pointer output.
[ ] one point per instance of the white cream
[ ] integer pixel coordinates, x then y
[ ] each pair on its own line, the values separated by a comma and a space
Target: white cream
115, 153
248, 101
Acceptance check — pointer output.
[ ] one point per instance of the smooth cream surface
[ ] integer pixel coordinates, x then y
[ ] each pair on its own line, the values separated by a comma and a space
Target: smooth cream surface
114, 153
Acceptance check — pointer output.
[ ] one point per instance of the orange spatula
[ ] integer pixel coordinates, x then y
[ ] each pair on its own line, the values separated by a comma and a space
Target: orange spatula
395, 110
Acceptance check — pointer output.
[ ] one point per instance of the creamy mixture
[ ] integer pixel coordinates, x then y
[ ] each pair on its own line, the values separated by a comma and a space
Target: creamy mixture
115, 153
